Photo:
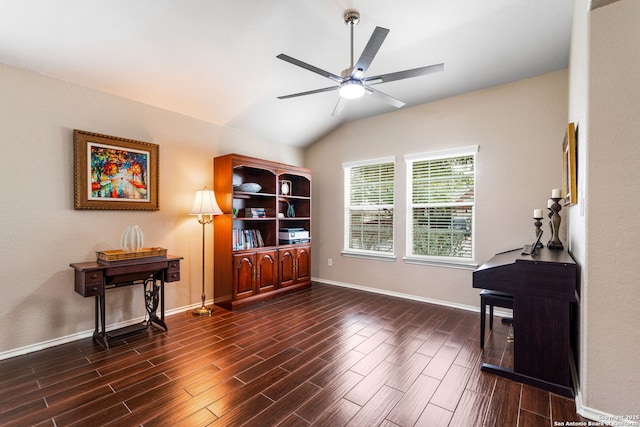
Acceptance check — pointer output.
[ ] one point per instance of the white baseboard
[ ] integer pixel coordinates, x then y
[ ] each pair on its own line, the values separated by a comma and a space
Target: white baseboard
600, 417
86, 334
498, 312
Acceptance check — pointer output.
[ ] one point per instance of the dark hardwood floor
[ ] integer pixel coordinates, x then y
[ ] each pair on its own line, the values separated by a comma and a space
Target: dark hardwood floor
325, 356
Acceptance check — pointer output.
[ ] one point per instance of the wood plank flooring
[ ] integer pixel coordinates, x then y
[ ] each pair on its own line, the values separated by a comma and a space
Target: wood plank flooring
326, 356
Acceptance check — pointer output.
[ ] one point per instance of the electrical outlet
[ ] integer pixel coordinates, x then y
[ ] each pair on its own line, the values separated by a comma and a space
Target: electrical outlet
330, 262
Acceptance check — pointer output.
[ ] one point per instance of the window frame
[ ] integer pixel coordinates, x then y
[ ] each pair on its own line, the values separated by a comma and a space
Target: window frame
363, 253
446, 261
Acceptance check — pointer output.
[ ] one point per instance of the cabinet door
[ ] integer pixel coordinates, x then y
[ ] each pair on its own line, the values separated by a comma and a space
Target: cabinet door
287, 267
267, 271
303, 264
243, 277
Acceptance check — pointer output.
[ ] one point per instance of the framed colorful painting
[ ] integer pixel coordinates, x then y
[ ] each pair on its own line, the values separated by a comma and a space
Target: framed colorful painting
114, 173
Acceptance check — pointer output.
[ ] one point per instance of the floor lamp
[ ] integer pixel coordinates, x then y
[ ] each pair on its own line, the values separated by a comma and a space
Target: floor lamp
205, 206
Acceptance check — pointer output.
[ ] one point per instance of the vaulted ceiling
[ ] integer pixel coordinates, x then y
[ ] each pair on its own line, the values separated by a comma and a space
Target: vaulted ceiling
215, 60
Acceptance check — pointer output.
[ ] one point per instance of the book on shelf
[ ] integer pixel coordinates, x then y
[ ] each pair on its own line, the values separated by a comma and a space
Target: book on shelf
246, 239
255, 213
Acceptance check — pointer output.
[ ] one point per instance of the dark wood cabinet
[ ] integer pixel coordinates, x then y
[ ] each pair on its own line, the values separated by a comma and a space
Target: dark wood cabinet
260, 199
254, 273
295, 265
243, 275
266, 271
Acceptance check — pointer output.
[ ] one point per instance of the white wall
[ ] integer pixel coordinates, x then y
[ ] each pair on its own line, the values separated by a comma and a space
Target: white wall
578, 110
41, 233
604, 98
519, 128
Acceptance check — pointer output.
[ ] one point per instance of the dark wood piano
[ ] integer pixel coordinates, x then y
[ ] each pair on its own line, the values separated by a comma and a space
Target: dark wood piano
544, 288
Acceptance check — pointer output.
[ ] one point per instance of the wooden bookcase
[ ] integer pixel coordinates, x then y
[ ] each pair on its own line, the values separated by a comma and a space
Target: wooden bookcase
251, 264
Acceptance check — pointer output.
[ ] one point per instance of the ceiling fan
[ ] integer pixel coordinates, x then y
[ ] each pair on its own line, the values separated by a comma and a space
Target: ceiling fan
352, 82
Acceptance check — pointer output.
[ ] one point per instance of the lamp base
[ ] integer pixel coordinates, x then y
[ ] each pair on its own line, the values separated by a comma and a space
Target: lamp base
202, 311
555, 245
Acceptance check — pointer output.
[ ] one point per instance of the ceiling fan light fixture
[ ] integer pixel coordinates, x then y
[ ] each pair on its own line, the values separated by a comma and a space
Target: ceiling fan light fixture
351, 89
352, 82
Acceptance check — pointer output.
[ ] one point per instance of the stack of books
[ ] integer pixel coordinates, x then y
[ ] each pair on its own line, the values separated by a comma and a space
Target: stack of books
246, 239
255, 213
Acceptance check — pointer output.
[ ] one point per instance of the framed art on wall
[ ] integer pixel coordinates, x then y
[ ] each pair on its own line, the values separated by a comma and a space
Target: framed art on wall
114, 173
569, 171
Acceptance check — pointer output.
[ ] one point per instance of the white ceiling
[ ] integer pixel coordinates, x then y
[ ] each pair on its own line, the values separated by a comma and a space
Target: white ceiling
215, 60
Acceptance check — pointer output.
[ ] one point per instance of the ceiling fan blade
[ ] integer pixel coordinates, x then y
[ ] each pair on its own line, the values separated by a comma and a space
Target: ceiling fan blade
369, 52
310, 92
309, 67
399, 75
387, 98
339, 106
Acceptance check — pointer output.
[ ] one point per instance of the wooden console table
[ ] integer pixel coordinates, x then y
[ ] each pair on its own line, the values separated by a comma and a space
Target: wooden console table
94, 278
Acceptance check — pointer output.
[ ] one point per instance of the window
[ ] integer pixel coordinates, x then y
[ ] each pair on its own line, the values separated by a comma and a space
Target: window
369, 197
440, 211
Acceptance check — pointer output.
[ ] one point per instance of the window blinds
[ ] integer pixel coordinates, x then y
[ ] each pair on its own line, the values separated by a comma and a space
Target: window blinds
369, 216
442, 201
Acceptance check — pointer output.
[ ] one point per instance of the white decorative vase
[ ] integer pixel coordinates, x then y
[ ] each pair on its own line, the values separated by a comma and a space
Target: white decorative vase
132, 239
285, 188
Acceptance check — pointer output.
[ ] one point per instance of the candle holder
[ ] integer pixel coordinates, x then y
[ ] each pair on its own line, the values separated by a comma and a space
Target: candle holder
554, 224
538, 224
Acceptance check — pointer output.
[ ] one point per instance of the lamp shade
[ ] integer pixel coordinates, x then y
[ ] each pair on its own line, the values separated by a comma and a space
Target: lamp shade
205, 203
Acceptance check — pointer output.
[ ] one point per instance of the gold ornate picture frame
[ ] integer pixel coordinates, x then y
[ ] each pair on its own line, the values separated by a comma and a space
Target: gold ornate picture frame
569, 171
114, 173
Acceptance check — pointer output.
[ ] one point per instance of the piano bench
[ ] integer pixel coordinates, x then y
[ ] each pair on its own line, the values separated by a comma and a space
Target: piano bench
492, 298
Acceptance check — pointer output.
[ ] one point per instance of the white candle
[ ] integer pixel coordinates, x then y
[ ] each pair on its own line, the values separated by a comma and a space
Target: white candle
537, 213
549, 203
555, 193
